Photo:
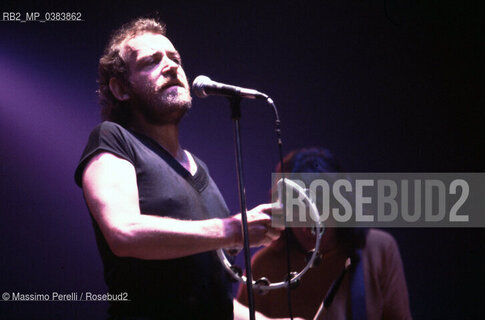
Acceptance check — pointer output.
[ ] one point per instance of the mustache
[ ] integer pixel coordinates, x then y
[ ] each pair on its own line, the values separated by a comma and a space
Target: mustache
173, 82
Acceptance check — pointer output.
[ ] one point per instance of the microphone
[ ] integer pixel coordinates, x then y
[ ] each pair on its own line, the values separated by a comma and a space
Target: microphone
203, 86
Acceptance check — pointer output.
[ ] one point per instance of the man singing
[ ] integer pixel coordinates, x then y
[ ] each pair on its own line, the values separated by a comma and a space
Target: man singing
157, 214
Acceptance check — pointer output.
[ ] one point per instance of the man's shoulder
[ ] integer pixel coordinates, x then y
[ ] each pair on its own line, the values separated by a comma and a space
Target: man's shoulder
110, 133
105, 137
109, 127
380, 243
379, 236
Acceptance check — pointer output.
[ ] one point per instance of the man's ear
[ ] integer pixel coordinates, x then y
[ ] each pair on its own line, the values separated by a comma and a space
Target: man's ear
118, 90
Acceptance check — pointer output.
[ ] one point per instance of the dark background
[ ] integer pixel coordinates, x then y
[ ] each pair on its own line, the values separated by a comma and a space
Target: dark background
388, 86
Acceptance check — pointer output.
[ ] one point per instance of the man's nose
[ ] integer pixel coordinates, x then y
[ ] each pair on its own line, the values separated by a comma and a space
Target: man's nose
168, 65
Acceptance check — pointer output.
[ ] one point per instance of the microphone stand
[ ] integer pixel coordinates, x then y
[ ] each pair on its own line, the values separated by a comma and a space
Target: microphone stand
235, 103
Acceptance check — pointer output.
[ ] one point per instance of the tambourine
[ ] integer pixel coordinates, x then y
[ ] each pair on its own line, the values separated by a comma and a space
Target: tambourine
262, 285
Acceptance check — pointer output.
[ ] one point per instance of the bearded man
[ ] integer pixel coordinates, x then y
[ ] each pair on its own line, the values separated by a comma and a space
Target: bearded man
157, 214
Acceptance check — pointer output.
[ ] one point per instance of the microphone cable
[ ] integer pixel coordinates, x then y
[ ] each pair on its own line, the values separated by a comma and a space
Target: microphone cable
287, 230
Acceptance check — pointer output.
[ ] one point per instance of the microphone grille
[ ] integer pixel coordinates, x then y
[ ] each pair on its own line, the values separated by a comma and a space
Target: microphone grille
198, 86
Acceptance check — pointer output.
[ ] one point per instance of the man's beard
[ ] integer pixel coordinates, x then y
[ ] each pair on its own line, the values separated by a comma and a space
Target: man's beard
162, 106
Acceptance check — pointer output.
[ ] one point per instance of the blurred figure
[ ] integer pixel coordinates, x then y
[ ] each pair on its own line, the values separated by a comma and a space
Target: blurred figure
372, 287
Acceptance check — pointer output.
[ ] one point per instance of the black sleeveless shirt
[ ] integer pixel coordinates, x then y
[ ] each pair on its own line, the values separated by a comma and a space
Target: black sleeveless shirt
192, 287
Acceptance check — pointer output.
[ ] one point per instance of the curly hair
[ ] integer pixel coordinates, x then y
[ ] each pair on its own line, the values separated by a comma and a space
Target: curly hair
112, 65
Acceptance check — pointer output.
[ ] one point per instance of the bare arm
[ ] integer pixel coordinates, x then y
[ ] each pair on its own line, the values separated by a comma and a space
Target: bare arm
111, 192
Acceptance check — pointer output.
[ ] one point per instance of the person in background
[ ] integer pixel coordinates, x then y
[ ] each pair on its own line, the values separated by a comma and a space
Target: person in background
372, 286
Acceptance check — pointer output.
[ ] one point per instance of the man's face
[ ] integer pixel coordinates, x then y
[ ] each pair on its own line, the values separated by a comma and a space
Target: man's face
158, 85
